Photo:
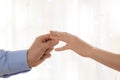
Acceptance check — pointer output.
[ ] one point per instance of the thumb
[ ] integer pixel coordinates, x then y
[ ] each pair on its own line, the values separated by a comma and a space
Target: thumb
62, 48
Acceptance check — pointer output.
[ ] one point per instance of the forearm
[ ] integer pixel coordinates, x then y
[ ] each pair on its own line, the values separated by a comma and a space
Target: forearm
12, 62
107, 58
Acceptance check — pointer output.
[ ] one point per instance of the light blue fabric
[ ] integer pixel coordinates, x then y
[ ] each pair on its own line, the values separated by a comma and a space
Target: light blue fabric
13, 62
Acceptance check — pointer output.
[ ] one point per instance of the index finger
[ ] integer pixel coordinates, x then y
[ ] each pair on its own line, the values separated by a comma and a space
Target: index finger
63, 36
44, 38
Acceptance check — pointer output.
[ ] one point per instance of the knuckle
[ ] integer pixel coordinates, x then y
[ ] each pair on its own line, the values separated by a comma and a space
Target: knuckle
37, 38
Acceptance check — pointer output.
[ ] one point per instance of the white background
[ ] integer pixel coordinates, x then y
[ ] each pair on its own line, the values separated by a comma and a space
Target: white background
95, 21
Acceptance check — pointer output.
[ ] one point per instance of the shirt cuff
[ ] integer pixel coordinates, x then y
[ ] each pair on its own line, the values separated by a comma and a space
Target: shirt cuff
17, 61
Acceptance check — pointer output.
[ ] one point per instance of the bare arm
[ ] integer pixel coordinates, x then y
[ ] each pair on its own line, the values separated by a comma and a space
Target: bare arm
107, 58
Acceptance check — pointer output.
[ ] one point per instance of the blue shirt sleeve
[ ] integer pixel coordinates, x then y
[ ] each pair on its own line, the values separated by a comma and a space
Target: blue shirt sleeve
13, 62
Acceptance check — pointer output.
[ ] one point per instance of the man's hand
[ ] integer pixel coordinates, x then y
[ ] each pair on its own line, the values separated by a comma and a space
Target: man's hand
40, 50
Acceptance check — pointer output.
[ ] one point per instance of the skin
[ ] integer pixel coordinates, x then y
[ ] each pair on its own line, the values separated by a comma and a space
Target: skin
40, 50
86, 50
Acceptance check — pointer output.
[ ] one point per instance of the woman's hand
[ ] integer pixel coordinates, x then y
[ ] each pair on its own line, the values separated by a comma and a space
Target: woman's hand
72, 42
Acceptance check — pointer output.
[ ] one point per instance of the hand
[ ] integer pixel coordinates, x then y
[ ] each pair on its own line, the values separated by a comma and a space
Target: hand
72, 42
40, 50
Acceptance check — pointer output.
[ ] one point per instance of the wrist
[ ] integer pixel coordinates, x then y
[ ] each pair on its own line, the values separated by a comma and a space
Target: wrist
28, 59
86, 50
92, 52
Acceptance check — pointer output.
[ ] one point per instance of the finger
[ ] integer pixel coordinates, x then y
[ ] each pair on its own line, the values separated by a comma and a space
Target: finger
48, 50
62, 48
63, 36
45, 56
42, 59
51, 43
46, 53
44, 38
